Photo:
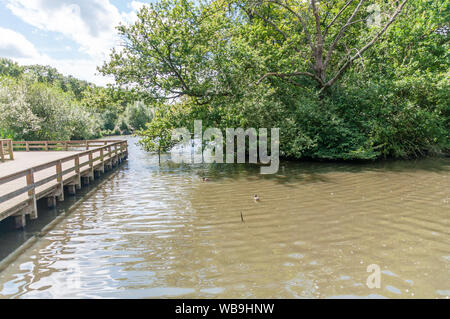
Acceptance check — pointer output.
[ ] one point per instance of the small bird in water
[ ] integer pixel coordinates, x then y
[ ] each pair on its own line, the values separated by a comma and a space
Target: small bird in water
205, 179
256, 198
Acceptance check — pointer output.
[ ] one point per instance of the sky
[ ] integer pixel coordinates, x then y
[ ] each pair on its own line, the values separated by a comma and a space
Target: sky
73, 36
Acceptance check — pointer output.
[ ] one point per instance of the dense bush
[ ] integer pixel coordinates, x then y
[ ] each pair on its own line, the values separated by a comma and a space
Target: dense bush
41, 103
135, 117
44, 74
36, 111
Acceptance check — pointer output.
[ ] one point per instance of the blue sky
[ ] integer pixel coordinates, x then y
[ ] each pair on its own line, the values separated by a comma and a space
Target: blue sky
74, 36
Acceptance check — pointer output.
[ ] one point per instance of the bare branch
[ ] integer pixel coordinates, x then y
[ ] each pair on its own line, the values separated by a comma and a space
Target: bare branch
316, 18
328, 11
337, 16
341, 33
298, 16
363, 49
319, 43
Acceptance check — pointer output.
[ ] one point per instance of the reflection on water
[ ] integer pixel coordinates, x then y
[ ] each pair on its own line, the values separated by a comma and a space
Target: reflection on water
159, 231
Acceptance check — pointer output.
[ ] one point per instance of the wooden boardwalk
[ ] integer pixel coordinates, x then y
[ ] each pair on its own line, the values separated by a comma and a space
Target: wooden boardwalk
47, 168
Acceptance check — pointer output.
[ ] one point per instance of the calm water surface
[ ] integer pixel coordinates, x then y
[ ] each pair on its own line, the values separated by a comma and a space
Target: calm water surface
159, 231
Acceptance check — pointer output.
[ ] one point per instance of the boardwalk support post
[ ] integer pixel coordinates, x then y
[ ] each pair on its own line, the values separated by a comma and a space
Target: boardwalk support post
71, 189
86, 180
51, 201
19, 221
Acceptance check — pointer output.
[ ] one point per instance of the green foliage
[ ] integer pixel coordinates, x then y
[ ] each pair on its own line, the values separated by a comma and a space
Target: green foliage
10, 68
44, 74
117, 112
157, 134
179, 47
35, 111
337, 85
135, 117
99, 99
86, 109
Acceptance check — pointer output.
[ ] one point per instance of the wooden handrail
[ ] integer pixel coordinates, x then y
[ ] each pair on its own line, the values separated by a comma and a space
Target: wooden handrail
59, 145
103, 151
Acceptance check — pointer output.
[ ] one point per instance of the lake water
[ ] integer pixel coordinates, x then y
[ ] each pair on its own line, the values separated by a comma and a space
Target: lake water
159, 231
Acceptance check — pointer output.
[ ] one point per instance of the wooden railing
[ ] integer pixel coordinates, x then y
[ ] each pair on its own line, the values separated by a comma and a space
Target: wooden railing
6, 148
59, 145
104, 151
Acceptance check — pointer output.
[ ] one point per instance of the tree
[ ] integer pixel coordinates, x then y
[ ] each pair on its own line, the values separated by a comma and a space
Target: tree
157, 136
174, 49
10, 68
333, 75
326, 47
35, 111
136, 116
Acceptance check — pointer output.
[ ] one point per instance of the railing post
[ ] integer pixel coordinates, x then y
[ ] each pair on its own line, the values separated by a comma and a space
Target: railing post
11, 151
87, 145
77, 171
91, 165
120, 152
102, 159
59, 179
27, 146
32, 194
110, 159
2, 156
46, 146
116, 159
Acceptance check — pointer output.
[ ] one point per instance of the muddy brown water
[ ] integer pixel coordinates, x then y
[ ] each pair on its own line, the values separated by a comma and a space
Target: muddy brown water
159, 231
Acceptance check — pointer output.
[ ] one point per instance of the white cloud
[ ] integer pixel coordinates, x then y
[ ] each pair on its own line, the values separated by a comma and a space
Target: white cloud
89, 23
135, 6
15, 44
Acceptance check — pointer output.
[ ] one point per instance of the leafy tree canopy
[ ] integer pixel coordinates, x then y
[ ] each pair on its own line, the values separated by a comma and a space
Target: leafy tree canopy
343, 79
